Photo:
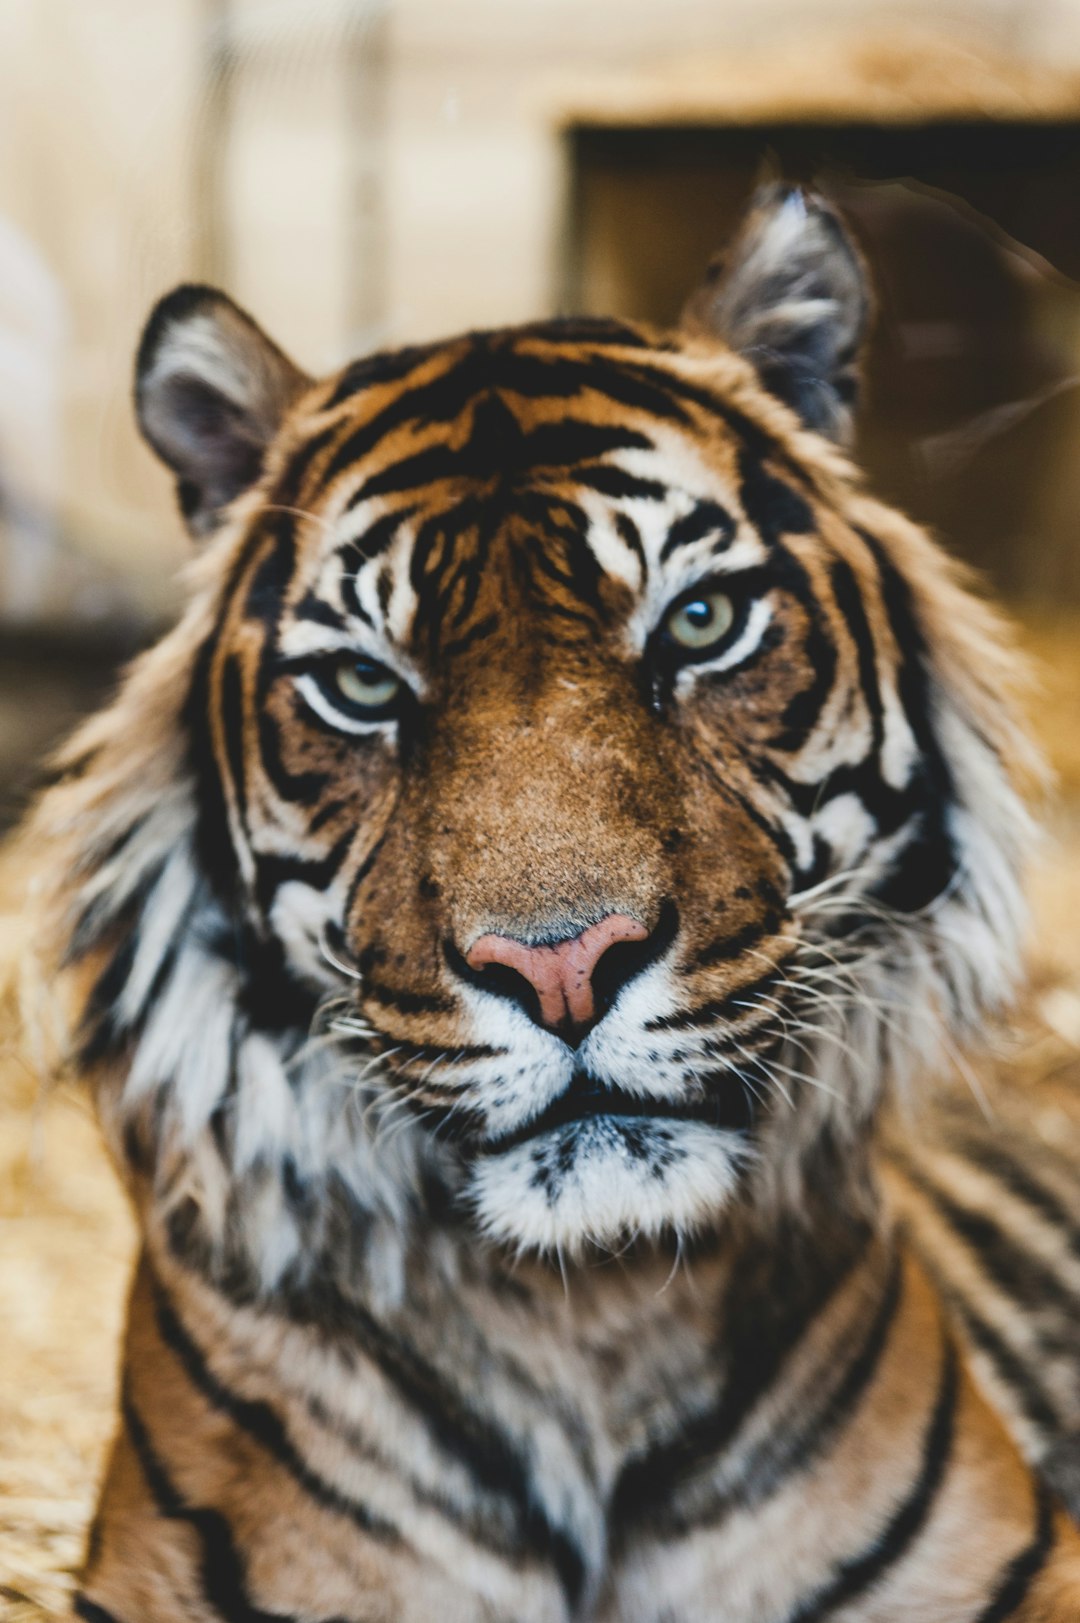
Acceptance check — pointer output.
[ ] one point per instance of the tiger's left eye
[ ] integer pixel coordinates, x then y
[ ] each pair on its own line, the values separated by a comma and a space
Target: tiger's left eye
364, 684
701, 621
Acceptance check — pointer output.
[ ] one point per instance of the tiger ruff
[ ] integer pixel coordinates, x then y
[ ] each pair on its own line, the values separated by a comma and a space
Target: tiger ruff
493, 923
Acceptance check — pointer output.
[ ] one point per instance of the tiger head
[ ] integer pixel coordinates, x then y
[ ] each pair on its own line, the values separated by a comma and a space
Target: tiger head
567, 801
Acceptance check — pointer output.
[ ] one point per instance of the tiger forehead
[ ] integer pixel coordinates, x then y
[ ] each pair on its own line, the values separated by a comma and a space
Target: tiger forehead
566, 475
449, 558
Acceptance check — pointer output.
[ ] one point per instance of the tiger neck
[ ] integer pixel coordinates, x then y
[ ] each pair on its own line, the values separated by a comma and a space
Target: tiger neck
710, 1321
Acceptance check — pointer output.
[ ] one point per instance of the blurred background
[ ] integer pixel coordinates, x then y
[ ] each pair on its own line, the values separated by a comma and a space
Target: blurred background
369, 172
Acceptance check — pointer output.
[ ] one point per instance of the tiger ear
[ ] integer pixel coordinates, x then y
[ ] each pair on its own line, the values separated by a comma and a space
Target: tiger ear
211, 390
791, 294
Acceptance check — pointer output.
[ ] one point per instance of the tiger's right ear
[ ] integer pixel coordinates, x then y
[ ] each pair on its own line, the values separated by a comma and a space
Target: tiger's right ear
211, 390
792, 295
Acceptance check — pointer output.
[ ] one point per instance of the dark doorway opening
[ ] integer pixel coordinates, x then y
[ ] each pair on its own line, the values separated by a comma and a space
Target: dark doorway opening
971, 418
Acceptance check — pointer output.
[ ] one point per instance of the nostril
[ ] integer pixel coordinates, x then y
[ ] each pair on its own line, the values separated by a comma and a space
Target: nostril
624, 960
618, 965
509, 983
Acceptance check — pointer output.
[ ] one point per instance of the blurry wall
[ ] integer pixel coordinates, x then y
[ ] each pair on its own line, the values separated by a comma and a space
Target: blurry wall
95, 176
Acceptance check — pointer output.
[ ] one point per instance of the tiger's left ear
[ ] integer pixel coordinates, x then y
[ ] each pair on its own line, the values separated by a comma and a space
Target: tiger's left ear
791, 295
211, 390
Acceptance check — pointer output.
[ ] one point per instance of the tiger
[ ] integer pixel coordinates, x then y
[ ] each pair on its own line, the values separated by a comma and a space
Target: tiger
524, 929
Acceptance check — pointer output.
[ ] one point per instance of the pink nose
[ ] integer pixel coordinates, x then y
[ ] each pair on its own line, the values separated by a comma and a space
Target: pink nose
560, 975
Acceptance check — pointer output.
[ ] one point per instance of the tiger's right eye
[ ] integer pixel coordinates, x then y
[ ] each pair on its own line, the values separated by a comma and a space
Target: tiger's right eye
701, 622
364, 685
351, 693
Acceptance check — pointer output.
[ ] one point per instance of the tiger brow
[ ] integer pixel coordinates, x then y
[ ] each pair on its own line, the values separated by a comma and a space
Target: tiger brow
707, 518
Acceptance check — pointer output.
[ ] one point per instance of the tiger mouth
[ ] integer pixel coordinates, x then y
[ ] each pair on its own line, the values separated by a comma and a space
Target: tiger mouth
729, 1109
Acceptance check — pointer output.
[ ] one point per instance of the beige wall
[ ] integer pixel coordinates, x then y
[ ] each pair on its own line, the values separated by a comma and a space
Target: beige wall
94, 111
102, 107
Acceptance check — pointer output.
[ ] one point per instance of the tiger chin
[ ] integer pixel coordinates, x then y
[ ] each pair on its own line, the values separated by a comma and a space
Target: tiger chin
498, 925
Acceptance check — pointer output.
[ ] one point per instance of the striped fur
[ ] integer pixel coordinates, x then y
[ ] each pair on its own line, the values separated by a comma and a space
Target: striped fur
439, 1314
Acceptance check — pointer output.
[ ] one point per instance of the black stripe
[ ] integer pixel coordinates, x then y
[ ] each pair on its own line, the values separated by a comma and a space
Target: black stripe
1024, 1568
606, 331
1013, 1269
367, 864
385, 366
374, 541
727, 947
417, 1053
705, 518
849, 601
1014, 1372
929, 863
479, 632
1011, 1370
471, 1439
774, 832
631, 537
775, 1298
572, 440
101, 1033
678, 388
427, 402
393, 366
269, 578
290, 485
858, 1375
213, 839
302, 788
773, 507
613, 481
800, 1452
803, 710
92, 1612
993, 1159
855, 1576
262, 1423
221, 1569
644, 389
427, 467
232, 731
399, 998
573, 567
717, 1008
316, 872
313, 608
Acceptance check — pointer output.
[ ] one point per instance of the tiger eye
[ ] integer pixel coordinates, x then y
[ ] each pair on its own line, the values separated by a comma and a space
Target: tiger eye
701, 621
365, 684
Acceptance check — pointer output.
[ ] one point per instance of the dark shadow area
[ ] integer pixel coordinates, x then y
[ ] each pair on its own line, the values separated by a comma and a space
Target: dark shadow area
49, 681
971, 420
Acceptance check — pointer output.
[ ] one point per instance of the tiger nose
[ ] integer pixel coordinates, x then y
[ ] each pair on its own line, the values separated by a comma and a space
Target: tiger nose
559, 989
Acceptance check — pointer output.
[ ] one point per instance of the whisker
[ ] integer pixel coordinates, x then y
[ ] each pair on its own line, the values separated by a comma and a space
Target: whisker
300, 512
337, 963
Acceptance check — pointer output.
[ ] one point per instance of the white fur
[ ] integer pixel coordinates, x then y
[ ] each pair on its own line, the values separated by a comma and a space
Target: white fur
609, 1193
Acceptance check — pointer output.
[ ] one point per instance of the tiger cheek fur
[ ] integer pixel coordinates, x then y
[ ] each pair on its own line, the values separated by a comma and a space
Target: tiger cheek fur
567, 816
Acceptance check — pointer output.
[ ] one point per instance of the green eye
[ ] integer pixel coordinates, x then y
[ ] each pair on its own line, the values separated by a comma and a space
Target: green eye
364, 685
701, 621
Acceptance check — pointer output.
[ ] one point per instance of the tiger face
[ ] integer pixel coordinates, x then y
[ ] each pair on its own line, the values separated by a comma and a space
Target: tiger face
573, 747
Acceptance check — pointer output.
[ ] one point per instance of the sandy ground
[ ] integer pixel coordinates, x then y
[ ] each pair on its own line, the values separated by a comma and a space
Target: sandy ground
66, 1239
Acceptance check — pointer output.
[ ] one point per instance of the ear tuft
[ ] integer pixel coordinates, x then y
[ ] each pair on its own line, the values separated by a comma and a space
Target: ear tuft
211, 390
791, 295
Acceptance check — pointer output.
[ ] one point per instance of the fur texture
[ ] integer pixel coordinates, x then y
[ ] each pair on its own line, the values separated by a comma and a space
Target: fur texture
413, 1330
